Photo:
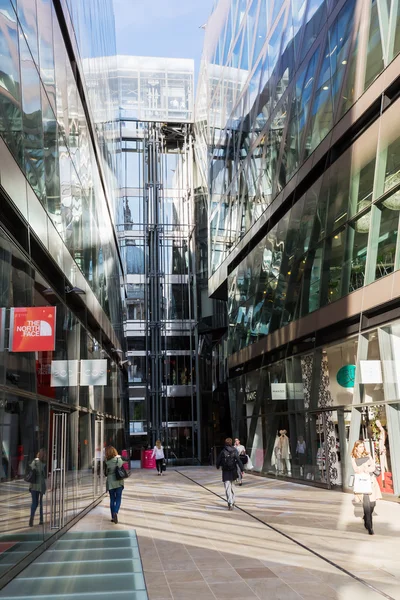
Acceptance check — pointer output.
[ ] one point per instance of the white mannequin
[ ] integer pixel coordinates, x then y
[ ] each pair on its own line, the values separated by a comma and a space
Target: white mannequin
281, 453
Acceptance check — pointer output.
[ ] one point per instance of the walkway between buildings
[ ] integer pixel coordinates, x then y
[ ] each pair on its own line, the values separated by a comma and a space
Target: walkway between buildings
192, 547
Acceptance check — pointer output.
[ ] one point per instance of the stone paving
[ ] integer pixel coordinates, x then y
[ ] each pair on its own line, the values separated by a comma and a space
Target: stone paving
193, 547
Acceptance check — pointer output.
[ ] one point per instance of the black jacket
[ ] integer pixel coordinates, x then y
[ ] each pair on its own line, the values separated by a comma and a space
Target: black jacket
229, 475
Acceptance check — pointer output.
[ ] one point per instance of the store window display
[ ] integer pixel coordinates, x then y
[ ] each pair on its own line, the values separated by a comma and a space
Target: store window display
281, 454
377, 436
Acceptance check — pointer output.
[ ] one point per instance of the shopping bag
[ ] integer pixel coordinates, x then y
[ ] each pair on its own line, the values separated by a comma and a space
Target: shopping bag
362, 483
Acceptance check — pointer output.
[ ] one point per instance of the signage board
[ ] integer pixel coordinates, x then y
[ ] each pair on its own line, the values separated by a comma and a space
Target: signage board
278, 391
32, 329
94, 372
371, 371
64, 373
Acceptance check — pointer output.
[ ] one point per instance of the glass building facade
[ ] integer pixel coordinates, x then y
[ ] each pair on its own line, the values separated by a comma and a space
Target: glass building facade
297, 122
155, 229
62, 386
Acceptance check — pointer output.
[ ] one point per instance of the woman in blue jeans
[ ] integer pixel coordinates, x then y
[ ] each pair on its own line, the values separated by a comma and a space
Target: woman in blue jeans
114, 485
38, 489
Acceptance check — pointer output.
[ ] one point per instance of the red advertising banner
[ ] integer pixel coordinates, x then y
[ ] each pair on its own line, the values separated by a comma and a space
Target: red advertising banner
32, 329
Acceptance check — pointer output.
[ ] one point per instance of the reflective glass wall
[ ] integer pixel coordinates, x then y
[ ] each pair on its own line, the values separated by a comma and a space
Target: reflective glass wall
62, 384
43, 123
276, 77
304, 217
341, 235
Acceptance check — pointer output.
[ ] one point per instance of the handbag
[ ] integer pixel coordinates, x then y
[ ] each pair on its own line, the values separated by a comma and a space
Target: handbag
362, 483
164, 465
120, 472
30, 476
244, 459
377, 471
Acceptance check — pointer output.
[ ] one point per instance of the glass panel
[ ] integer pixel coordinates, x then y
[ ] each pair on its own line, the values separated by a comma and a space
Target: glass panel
312, 281
388, 235
375, 51
28, 18
10, 94
356, 253
46, 52
32, 122
333, 266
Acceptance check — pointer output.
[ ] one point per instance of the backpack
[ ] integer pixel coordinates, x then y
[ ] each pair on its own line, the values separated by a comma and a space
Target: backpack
228, 461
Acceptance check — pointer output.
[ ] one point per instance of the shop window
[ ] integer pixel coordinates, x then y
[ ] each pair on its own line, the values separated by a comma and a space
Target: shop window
332, 267
356, 253
388, 235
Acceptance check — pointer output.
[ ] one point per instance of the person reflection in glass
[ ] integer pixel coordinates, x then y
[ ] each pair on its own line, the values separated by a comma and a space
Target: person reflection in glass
38, 488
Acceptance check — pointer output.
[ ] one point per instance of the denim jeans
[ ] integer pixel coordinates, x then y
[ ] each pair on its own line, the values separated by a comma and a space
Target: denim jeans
37, 500
230, 492
115, 499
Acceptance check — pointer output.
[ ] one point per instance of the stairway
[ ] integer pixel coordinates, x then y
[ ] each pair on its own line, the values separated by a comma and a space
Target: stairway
83, 565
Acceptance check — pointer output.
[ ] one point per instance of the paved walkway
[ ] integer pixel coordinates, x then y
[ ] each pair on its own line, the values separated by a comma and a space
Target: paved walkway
192, 547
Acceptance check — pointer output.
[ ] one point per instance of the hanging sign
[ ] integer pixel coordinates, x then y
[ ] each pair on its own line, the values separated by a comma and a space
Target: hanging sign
94, 372
64, 373
32, 329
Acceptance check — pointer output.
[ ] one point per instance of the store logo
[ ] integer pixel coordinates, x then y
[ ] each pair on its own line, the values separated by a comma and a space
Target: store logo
65, 373
94, 372
32, 329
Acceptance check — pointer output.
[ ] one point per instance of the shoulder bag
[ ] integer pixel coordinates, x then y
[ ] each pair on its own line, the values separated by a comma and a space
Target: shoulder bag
120, 472
30, 475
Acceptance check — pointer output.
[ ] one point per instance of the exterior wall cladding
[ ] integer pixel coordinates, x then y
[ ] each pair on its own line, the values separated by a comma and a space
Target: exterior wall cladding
58, 248
298, 121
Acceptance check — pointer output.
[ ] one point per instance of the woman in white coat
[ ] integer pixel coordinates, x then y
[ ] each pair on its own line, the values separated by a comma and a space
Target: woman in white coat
363, 462
158, 453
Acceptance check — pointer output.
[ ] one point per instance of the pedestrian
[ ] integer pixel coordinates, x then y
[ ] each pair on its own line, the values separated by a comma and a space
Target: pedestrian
38, 487
115, 486
363, 463
158, 453
229, 461
241, 450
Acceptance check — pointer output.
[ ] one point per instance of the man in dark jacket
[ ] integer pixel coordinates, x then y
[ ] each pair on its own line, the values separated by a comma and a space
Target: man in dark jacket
230, 463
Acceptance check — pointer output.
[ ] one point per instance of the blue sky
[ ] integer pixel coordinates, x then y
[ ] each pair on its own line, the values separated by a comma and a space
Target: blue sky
161, 27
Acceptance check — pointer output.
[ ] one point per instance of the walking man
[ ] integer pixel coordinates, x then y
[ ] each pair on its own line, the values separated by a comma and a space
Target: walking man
230, 464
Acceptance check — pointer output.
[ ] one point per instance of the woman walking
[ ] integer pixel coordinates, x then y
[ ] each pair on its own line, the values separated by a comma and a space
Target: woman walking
158, 453
363, 463
114, 486
38, 488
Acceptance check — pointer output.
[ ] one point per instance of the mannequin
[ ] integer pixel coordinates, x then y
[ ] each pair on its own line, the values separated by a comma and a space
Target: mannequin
281, 453
301, 453
382, 450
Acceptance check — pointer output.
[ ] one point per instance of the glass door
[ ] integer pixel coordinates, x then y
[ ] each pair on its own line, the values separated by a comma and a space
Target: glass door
58, 468
98, 460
